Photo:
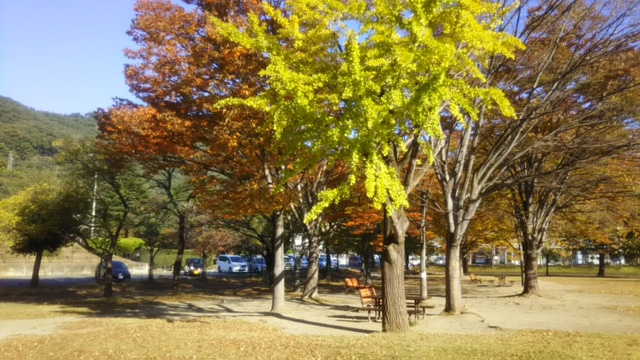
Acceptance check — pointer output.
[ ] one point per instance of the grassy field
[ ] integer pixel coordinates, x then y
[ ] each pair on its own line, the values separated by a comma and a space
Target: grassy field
113, 328
583, 270
211, 338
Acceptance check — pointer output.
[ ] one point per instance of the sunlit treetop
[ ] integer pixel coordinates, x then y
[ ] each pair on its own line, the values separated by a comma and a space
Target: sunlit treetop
359, 80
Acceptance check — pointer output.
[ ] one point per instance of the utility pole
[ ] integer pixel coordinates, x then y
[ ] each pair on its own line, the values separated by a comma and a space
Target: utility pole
10, 161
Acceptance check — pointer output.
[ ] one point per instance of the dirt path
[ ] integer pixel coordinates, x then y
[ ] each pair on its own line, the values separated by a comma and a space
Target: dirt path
488, 309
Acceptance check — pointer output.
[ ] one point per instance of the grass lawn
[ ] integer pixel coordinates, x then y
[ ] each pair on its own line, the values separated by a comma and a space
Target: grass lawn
583, 270
228, 339
113, 328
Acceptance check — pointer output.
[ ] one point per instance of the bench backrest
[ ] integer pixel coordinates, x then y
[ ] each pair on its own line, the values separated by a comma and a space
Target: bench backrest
349, 282
366, 296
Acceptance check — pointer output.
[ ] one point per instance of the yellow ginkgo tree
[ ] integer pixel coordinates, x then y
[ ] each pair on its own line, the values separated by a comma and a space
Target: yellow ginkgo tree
368, 83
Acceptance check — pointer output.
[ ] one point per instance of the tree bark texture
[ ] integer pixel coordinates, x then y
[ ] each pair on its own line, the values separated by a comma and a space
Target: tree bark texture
177, 265
277, 300
35, 275
108, 275
531, 286
453, 289
601, 257
394, 312
152, 263
311, 286
423, 246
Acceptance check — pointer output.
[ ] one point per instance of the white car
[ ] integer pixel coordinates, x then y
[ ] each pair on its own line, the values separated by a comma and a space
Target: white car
232, 263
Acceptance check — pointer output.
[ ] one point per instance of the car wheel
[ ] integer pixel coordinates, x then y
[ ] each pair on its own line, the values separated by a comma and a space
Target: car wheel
230, 269
219, 269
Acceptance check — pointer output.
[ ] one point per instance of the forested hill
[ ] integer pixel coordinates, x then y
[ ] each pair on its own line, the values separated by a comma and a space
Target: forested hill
29, 133
29, 136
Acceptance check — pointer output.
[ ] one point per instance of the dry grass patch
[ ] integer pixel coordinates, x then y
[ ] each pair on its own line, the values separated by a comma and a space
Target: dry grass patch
609, 286
217, 338
13, 311
633, 310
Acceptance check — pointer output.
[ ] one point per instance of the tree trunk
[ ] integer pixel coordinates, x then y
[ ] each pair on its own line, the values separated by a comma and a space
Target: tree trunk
269, 258
311, 285
277, 301
35, 275
423, 246
108, 275
204, 266
368, 261
177, 265
530, 254
394, 311
601, 256
423, 270
152, 263
465, 264
547, 263
453, 289
327, 252
296, 275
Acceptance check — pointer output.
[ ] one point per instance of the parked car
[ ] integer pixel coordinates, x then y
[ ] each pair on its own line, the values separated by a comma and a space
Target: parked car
440, 260
377, 260
355, 261
193, 267
322, 261
120, 271
414, 261
304, 263
232, 263
289, 263
258, 265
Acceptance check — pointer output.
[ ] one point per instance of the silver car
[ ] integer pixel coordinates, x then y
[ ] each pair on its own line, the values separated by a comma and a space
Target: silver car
289, 262
258, 265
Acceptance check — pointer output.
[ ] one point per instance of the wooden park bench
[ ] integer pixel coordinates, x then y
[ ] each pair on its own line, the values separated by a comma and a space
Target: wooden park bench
353, 284
474, 279
369, 302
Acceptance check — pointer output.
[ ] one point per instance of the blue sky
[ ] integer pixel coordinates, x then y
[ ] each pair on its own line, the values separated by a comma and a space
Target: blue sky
64, 56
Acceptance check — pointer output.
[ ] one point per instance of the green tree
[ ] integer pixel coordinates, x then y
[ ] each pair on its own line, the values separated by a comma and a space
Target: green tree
152, 222
114, 184
42, 218
127, 245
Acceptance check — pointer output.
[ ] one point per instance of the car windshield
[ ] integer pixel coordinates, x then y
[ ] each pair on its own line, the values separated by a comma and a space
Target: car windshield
236, 259
195, 262
119, 265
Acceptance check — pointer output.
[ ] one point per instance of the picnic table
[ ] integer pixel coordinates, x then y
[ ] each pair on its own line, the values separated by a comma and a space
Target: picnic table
415, 309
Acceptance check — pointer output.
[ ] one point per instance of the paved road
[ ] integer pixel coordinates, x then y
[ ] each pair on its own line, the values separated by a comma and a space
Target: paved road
15, 282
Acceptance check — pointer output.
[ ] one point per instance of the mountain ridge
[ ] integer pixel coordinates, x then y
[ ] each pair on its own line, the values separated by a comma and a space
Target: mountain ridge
28, 132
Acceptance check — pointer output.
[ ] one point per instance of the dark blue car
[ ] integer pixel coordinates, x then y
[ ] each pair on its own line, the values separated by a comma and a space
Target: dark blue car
120, 271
